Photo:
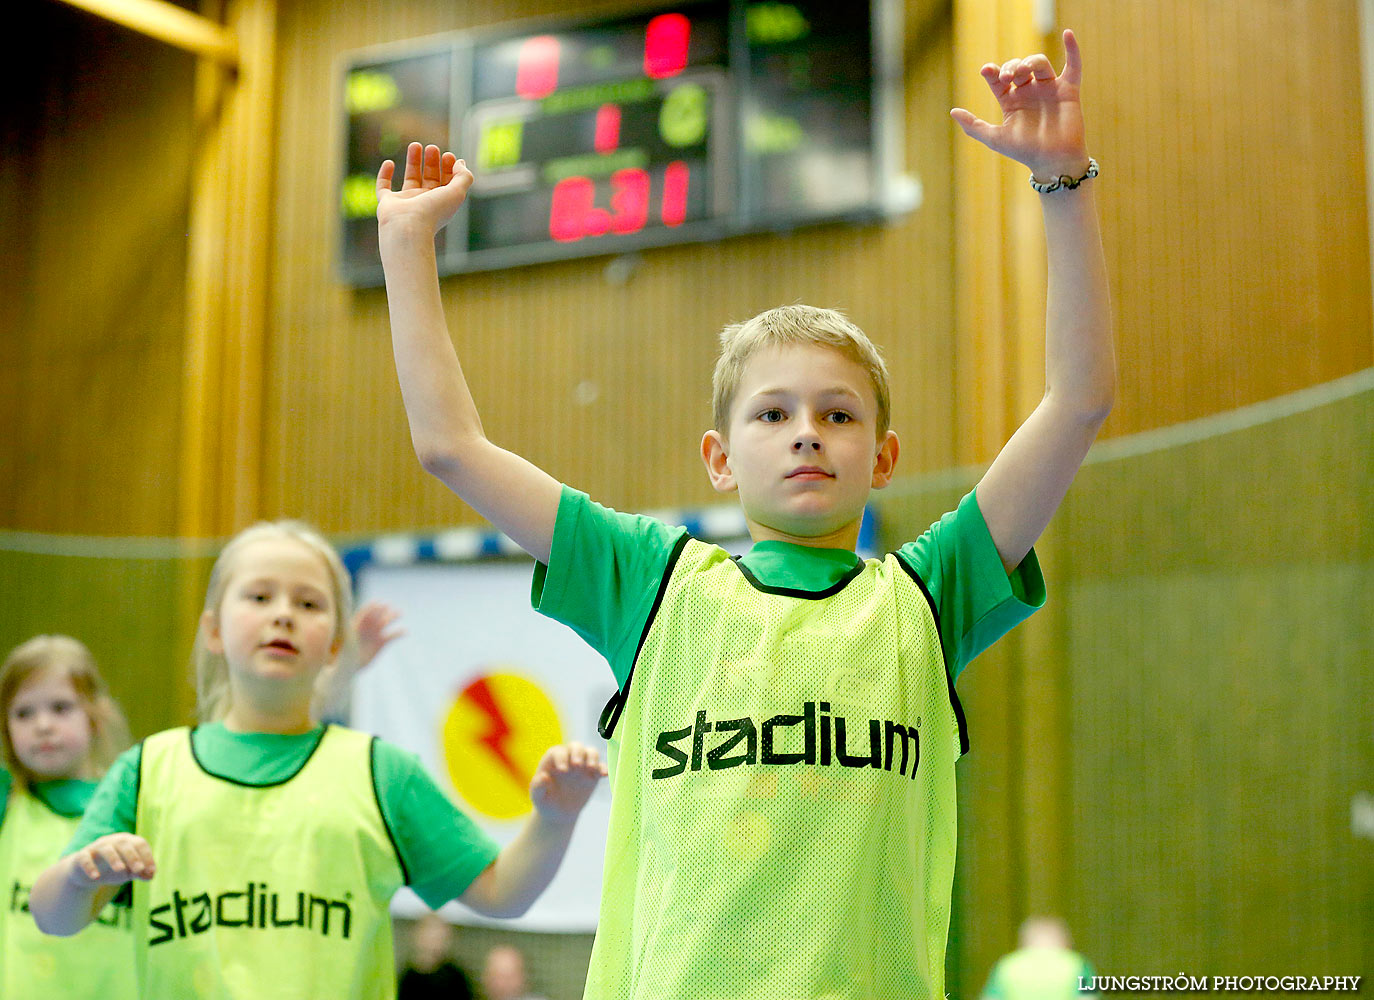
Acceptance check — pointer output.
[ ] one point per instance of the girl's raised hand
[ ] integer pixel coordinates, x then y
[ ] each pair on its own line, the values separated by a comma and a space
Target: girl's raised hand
1042, 119
373, 627
564, 780
432, 188
113, 859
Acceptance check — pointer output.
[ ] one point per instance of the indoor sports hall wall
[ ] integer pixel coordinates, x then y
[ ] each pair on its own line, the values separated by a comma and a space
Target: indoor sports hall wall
1165, 756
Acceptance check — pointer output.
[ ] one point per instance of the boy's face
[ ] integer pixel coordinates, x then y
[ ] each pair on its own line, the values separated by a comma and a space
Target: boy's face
802, 448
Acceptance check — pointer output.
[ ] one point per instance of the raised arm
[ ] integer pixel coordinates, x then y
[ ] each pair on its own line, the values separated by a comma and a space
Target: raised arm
1042, 127
514, 495
562, 784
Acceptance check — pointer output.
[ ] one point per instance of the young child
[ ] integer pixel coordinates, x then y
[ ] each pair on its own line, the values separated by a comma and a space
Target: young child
61, 729
264, 848
784, 737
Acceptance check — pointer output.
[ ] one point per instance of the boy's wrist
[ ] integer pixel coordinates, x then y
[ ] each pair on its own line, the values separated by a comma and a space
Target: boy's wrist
405, 230
1067, 180
555, 820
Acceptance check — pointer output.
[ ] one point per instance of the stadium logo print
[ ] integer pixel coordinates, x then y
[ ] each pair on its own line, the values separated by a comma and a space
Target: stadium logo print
493, 736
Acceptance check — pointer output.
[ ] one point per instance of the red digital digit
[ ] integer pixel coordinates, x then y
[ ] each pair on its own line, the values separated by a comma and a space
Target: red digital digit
665, 45
536, 74
675, 179
571, 205
597, 221
629, 200
607, 128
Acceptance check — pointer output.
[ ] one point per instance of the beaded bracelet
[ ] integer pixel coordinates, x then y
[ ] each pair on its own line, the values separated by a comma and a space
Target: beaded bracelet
1065, 182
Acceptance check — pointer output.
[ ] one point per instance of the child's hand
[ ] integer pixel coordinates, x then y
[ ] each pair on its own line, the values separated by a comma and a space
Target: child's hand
113, 859
371, 625
1042, 120
564, 780
431, 190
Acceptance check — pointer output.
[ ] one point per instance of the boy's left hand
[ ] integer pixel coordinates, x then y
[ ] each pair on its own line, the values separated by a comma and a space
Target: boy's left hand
564, 780
1042, 119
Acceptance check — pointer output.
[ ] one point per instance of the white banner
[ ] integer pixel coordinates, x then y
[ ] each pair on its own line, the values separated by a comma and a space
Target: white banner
479, 687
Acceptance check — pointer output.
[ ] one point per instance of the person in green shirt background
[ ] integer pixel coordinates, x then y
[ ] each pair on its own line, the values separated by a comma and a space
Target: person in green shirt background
1043, 967
264, 848
59, 729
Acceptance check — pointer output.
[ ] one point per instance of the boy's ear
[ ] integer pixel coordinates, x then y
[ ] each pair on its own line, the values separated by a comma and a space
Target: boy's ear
713, 453
886, 460
209, 625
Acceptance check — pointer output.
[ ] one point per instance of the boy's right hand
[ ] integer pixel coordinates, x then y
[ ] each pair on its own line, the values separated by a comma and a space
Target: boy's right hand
113, 859
432, 189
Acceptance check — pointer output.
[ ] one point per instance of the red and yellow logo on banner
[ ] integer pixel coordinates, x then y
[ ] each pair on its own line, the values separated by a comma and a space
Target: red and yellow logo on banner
493, 736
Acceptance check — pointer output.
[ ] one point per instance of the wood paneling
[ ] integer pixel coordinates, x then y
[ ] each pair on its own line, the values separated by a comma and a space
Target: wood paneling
1233, 198
227, 280
1233, 206
1138, 749
96, 224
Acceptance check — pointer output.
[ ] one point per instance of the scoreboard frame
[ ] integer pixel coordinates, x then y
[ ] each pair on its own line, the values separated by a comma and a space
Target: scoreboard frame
632, 199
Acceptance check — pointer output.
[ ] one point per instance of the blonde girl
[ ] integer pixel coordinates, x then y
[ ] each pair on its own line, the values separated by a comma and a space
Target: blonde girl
59, 731
263, 847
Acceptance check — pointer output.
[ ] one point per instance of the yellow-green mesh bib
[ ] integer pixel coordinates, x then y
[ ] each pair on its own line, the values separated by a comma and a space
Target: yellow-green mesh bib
277, 891
96, 963
783, 816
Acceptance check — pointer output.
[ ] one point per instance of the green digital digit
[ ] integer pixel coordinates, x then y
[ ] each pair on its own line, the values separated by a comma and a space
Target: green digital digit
369, 90
500, 145
683, 118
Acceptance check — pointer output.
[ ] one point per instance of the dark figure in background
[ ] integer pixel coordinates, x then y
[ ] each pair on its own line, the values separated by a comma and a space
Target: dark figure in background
431, 973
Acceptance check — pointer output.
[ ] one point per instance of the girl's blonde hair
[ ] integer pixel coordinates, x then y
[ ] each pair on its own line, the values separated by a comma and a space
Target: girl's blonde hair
210, 669
788, 325
70, 658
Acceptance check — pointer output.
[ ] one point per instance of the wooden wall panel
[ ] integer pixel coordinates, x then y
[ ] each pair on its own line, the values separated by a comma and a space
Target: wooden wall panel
99, 219
605, 384
1233, 198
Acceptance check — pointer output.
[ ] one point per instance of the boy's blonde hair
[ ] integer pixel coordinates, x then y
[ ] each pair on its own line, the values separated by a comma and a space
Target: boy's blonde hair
787, 325
210, 669
70, 658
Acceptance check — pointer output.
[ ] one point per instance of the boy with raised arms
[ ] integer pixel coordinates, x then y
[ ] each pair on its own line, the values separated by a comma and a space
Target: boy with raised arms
784, 736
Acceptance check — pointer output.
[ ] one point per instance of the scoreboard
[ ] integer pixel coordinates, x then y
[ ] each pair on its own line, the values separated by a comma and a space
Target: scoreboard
686, 123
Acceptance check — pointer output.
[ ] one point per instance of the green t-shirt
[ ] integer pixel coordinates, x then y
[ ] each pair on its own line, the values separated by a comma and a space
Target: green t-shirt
605, 569
766, 838
441, 849
66, 796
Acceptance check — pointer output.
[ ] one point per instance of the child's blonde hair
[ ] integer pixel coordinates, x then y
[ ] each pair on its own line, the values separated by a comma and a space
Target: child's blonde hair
70, 658
210, 669
787, 325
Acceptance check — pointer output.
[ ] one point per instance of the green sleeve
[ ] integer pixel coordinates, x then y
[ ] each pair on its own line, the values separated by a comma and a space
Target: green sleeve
1086, 973
603, 576
993, 990
114, 806
976, 601
442, 850
6, 783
